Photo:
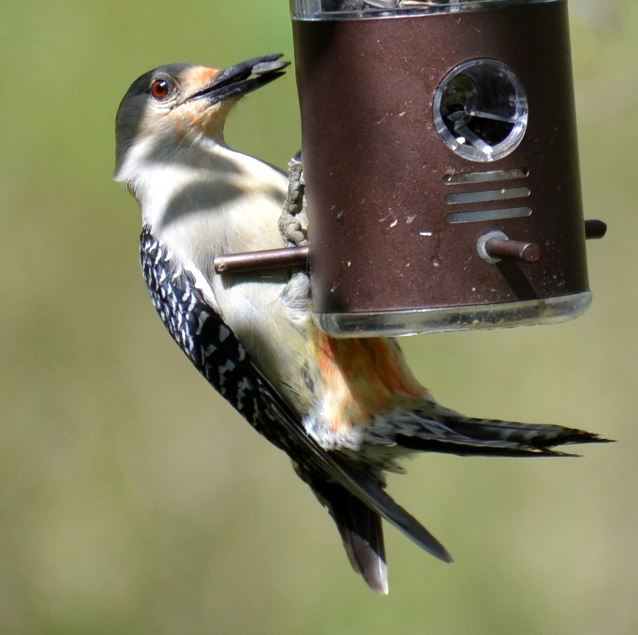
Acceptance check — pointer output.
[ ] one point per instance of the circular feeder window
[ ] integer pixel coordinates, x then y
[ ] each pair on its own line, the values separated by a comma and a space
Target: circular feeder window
480, 110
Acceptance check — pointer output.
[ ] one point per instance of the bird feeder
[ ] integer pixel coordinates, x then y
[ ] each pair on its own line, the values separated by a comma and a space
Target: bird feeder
440, 162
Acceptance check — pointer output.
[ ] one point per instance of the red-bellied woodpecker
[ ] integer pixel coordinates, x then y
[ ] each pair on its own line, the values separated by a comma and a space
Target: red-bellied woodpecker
344, 410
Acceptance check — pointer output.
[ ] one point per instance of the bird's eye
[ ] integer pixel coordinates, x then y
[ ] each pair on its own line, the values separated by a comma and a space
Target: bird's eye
160, 89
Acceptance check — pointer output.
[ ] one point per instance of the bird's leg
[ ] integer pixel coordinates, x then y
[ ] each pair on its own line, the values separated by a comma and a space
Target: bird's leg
293, 223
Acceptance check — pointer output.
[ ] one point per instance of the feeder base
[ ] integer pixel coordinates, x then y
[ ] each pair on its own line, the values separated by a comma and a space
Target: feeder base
486, 316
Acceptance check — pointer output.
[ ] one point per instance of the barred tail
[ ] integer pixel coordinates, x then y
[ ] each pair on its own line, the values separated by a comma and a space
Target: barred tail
452, 433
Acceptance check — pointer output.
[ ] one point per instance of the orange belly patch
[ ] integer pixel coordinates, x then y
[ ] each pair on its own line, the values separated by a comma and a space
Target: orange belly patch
362, 378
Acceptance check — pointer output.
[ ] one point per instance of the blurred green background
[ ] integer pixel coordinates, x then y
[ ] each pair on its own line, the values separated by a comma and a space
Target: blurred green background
134, 500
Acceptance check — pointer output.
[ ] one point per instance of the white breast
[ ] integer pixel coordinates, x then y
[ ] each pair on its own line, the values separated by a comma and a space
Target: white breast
215, 201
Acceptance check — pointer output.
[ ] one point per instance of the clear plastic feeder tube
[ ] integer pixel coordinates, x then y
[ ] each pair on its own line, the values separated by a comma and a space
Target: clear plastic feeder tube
343, 9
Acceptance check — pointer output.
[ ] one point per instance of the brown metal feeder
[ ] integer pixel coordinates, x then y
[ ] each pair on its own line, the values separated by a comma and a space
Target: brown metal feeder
441, 165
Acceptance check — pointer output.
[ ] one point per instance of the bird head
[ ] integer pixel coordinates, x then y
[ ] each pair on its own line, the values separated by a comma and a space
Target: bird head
174, 105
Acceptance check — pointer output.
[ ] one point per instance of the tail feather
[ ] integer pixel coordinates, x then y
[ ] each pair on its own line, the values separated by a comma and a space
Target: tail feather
468, 447
362, 534
452, 433
358, 518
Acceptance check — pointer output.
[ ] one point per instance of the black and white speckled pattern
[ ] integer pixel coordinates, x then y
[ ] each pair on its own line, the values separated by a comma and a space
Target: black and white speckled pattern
222, 360
209, 343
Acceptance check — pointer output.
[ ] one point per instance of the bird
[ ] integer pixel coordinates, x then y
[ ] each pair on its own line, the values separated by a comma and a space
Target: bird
345, 411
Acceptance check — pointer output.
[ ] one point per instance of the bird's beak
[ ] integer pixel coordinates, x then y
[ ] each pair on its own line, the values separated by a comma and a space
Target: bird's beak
242, 78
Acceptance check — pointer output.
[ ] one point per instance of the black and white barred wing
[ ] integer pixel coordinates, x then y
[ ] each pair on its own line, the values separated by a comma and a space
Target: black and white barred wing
222, 359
